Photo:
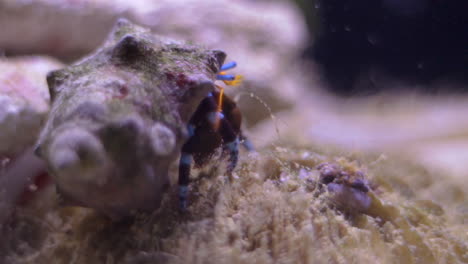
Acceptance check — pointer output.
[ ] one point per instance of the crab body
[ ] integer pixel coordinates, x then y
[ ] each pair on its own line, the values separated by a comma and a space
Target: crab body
119, 117
205, 138
216, 123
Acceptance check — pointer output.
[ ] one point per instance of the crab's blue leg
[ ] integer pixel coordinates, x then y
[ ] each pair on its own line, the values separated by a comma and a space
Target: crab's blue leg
248, 145
185, 163
231, 143
233, 150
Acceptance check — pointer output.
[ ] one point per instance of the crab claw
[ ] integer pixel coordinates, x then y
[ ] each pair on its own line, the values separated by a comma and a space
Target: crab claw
76, 153
162, 138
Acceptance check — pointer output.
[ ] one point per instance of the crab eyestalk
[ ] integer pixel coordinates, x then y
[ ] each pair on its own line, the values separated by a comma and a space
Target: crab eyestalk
219, 109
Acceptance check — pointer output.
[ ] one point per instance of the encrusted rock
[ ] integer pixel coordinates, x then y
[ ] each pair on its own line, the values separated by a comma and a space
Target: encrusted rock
349, 189
65, 29
119, 116
24, 101
24, 104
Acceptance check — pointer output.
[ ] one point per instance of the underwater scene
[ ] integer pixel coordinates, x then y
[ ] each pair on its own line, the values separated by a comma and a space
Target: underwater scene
249, 131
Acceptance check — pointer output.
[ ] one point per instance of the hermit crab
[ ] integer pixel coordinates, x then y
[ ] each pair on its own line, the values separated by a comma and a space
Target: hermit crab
120, 116
216, 123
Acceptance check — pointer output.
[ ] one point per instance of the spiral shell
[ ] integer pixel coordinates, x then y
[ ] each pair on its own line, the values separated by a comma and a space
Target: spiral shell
118, 118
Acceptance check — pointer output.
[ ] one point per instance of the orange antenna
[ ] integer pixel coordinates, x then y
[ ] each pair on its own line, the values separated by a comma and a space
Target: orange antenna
219, 109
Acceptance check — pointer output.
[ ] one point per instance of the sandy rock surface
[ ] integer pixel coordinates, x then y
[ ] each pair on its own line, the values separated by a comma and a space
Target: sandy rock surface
274, 211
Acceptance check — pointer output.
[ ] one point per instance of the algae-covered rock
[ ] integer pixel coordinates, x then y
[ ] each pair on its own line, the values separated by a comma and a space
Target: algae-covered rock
265, 37
119, 116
